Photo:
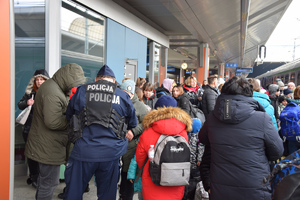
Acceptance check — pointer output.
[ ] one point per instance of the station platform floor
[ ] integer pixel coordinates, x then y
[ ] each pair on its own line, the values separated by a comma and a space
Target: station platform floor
22, 191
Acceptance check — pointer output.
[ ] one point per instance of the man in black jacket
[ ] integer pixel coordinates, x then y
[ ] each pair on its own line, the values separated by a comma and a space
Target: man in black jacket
210, 95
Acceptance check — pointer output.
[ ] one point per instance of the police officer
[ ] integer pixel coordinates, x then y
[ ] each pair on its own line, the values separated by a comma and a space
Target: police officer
103, 111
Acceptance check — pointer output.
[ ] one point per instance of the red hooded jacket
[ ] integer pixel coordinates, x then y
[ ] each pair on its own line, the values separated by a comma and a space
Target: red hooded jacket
168, 121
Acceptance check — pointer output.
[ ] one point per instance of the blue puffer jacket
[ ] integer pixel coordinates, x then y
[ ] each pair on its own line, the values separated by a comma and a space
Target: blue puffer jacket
238, 147
265, 101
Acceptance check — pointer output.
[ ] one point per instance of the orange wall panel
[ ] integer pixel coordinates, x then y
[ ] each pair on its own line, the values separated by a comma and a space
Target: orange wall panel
5, 100
162, 74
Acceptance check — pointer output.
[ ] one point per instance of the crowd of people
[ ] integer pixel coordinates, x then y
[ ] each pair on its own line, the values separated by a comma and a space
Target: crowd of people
106, 128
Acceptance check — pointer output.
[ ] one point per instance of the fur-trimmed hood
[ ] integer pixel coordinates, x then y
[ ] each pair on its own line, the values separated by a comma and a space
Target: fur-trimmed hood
166, 113
39, 72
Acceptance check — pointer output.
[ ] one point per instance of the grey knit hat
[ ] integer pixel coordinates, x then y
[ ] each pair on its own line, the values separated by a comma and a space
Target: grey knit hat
128, 85
280, 84
273, 88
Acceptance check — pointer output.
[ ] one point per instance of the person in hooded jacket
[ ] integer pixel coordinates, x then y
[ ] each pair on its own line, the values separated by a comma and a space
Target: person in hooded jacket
263, 99
182, 99
166, 88
126, 187
38, 78
239, 139
169, 120
48, 135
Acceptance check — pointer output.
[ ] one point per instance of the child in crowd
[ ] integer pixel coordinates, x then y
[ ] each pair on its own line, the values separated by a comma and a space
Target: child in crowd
197, 150
140, 94
149, 97
288, 93
282, 103
131, 175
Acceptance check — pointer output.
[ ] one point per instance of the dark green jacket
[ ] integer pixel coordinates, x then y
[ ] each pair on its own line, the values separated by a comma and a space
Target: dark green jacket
140, 110
48, 135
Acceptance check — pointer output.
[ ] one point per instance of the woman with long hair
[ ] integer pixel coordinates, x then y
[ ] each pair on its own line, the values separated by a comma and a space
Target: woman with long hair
140, 82
38, 78
182, 99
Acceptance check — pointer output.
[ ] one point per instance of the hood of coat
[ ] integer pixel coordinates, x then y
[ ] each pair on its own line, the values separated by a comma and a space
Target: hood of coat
69, 76
167, 83
162, 89
262, 98
40, 72
234, 109
168, 120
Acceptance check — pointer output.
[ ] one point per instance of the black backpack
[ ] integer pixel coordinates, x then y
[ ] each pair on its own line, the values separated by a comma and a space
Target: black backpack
285, 178
171, 165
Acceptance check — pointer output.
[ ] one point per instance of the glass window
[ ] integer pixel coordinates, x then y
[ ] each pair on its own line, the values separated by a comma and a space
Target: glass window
298, 78
286, 79
29, 55
157, 52
292, 79
82, 38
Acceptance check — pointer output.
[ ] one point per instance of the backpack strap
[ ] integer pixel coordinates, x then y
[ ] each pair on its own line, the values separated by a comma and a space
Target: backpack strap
140, 172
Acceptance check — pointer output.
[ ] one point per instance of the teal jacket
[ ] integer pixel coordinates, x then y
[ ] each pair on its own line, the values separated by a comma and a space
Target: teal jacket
296, 101
265, 101
131, 174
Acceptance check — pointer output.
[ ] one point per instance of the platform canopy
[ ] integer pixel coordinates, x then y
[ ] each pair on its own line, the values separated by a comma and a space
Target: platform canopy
233, 29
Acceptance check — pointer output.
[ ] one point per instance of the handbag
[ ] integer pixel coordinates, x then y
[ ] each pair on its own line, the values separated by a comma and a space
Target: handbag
23, 116
197, 113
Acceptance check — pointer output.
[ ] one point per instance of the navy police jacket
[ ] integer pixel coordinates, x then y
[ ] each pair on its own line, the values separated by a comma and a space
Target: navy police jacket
98, 143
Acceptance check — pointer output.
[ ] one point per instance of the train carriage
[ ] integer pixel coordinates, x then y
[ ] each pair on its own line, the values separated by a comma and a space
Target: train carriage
289, 72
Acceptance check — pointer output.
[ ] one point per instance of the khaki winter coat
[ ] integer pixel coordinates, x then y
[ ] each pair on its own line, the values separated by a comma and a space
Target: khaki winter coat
48, 135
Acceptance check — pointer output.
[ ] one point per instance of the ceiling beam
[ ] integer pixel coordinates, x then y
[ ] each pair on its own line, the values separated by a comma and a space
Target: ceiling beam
245, 7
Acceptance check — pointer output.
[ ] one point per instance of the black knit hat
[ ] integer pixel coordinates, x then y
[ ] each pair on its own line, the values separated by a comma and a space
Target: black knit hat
40, 72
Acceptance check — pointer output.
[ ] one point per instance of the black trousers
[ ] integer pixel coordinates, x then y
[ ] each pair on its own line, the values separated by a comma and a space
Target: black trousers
126, 187
33, 169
